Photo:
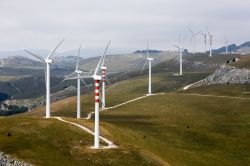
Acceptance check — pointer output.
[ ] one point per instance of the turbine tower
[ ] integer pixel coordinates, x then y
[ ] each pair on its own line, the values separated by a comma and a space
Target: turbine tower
205, 40
180, 49
47, 61
78, 72
210, 42
226, 44
97, 78
193, 38
149, 71
104, 79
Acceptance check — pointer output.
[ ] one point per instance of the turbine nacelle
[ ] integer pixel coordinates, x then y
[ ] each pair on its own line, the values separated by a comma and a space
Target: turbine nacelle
96, 77
150, 59
48, 60
78, 71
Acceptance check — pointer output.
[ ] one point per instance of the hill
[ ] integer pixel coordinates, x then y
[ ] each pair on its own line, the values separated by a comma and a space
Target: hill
183, 128
59, 144
242, 49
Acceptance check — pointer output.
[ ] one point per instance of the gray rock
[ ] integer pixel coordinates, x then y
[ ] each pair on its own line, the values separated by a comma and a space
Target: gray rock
6, 160
226, 75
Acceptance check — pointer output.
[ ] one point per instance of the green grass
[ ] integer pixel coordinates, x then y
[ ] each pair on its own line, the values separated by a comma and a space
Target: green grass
218, 132
239, 90
51, 142
175, 128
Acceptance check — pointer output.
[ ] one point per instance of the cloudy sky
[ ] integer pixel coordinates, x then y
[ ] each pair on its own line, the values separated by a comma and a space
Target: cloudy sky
127, 23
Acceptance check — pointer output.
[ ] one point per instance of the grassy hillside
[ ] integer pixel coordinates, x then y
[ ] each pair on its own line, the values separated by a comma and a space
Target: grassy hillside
50, 142
176, 128
194, 63
185, 130
125, 62
123, 91
244, 62
240, 90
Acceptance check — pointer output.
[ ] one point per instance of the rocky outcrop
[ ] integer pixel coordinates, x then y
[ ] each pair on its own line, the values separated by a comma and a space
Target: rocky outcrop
6, 160
226, 75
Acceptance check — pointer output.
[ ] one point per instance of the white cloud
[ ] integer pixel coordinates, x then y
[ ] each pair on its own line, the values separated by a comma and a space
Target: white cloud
42, 23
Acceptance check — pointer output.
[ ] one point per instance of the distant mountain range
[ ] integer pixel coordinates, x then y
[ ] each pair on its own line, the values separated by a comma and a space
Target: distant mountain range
115, 63
233, 48
149, 51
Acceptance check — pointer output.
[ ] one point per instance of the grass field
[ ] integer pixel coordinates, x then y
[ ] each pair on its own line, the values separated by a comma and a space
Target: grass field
50, 142
173, 128
185, 130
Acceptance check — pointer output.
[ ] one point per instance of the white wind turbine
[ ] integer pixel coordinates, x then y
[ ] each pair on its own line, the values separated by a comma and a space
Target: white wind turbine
104, 79
2, 62
205, 40
226, 44
149, 60
193, 38
210, 43
47, 61
97, 78
78, 72
180, 49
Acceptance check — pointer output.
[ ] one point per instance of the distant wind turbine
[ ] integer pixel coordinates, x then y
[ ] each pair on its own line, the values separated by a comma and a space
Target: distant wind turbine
47, 61
149, 60
193, 38
210, 42
180, 49
205, 40
104, 79
79, 78
226, 43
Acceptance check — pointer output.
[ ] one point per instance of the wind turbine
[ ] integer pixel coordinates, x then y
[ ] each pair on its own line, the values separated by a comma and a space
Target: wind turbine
205, 40
210, 42
193, 37
2, 62
97, 78
149, 60
104, 79
181, 49
78, 72
47, 61
226, 43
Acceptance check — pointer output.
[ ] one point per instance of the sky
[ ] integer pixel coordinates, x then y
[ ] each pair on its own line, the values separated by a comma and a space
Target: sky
41, 24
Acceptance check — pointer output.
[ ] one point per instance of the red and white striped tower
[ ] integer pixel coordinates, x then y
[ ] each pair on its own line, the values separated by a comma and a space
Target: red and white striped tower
104, 69
97, 80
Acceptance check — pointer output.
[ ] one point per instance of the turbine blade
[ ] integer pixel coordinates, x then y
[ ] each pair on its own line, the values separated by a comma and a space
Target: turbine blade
190, 30
77, 61
144, 66
104, 55
35, 55
52, 52
67, 77
45, 78
106, 78
101, 59
84, 83
147, 50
